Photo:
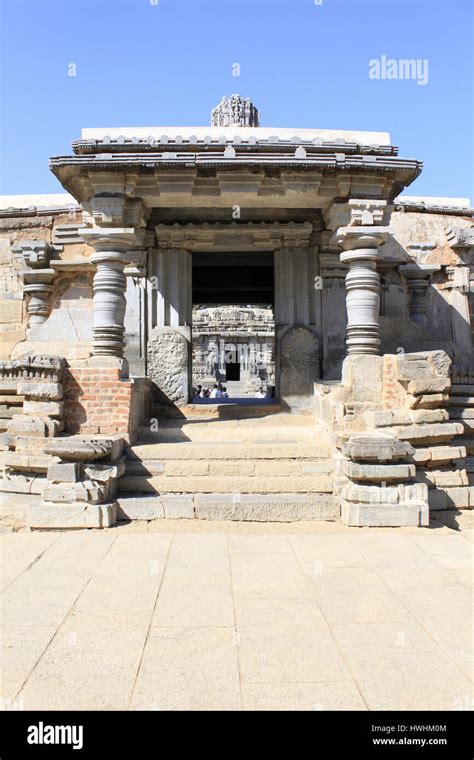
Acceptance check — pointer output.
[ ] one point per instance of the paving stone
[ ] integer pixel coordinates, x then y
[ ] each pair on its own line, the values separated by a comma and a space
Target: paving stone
189, 669
396, 665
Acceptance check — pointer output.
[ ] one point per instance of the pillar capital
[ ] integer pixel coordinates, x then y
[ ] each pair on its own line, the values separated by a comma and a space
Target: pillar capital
118, 240
363, 236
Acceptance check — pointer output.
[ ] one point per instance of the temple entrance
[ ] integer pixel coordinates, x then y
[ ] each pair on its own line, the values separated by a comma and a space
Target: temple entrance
233, 327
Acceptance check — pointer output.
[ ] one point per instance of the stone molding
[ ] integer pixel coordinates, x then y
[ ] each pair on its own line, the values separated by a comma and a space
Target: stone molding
259, 236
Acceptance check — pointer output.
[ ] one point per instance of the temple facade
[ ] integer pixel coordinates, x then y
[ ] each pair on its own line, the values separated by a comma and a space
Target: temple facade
249, 255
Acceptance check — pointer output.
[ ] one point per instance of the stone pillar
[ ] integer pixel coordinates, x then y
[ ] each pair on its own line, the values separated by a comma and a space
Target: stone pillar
418, 281
362, 287
39, 303
111, 246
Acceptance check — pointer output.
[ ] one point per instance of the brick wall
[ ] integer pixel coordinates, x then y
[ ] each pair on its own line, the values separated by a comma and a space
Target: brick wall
394, 394
97, 400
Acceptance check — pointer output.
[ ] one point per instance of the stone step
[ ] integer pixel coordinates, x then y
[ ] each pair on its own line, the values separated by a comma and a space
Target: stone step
429, 432
231, 411
229, 451
221, 484
461, 401
224, 467
461, 389
457, 497
257, 507
220, 432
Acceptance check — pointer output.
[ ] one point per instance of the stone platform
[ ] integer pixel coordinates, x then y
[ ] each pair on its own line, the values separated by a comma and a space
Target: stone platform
176, 615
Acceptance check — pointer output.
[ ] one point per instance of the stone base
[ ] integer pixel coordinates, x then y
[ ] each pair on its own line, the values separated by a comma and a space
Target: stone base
246, 507
75, 515
385, 515
169, 506
266, 507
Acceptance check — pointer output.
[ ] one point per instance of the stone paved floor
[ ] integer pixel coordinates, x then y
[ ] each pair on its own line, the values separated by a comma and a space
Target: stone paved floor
181, 615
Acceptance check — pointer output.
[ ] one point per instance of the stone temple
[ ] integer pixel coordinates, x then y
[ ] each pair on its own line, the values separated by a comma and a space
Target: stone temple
251, 257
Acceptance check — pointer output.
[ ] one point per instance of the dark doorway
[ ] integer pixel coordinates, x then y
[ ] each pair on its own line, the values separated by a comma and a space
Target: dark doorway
233, 278
232, 370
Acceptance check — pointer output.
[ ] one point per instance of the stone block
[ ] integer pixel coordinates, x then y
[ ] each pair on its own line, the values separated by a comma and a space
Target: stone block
177, 506
387, 418
59, 493
426, 433
429, 415
36, 427
436, 385
445, 478
379, 472
63, 472
283, 507
8, 385
140, 508
21, 483
40, 390
451, 498
74, 515
27, 462
385, 515
50, 408
434, 401
11, 311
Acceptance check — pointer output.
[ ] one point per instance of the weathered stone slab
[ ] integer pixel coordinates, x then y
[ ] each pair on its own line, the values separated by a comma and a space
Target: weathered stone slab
178, 506
51, 408
74, 515
20, 483
451, 498
429, 415
168, 366
19, 461
35, 427
140, 508
423, 385
416, 366
266, 507
40, 390
444, 478
427, 433
299, 367
387, 418
379, 472
63, 472
385, 515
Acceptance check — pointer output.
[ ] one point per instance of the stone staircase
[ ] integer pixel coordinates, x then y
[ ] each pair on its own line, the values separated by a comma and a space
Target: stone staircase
230, 462
461, 410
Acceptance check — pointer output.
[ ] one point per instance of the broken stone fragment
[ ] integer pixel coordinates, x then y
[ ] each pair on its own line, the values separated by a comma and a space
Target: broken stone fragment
80, 449
375, 447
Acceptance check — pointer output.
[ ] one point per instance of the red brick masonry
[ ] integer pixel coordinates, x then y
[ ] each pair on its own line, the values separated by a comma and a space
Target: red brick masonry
97, 400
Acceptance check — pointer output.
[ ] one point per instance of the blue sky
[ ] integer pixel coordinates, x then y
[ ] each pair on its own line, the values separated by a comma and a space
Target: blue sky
168, 62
